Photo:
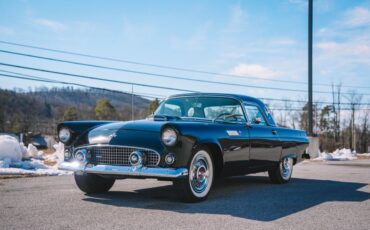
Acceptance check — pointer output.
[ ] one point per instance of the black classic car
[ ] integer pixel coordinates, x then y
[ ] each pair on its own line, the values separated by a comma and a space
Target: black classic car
191, 139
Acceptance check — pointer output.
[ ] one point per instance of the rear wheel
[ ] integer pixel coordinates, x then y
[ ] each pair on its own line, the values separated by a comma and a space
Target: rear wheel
282, 173
91, 183
196, 186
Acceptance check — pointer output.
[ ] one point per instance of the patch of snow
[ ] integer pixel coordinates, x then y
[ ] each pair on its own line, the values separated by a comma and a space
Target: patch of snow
10, 148
5, 163
58, 155
32, 152
39, 172
339, 154
34, 162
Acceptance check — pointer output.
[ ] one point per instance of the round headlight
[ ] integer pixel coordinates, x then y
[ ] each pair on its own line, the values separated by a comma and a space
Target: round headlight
169, 136
64, 135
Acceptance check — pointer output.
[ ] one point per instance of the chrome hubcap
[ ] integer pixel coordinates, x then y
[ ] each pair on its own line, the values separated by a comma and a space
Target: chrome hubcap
286, 167
200, 174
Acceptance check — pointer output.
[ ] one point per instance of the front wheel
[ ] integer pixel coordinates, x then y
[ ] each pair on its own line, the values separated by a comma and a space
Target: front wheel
196, 186
282, 173
90, 183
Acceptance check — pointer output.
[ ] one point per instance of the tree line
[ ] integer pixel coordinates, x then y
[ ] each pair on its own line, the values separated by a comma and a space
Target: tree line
40, 110
343, 123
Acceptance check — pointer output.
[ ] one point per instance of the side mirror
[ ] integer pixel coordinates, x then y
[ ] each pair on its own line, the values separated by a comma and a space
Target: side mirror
257, 120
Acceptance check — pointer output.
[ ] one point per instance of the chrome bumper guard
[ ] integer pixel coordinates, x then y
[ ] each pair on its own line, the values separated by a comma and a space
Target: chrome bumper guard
124, 170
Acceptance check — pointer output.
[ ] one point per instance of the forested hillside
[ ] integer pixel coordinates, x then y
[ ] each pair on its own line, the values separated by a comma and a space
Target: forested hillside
41, 109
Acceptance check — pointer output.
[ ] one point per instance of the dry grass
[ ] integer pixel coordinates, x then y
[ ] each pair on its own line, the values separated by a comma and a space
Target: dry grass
363, 156
49, 162
12, 176
48, 151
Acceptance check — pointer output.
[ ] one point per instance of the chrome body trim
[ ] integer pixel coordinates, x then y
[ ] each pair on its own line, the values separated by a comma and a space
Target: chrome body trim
124, 170
119, 146
108, 145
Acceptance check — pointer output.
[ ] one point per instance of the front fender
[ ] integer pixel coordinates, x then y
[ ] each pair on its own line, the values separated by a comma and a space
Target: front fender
79, 129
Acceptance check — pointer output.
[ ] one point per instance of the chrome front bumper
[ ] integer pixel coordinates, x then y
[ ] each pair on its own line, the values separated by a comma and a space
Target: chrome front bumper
124, 170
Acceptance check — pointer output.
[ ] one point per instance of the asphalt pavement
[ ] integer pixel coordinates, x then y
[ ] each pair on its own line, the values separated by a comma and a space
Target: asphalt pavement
321, 195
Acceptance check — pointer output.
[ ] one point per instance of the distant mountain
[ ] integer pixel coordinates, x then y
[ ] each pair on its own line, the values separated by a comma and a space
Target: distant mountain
41, 109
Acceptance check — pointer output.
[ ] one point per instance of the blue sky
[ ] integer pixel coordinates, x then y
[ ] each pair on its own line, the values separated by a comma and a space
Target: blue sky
262, 39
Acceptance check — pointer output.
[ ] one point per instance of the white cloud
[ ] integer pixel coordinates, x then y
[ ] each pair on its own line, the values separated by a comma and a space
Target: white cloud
358, 48
50, 24
252, 70
328, 46
357, 17
324, 31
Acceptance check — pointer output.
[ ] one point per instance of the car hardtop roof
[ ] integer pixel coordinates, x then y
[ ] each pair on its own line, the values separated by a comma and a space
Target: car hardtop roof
236, 96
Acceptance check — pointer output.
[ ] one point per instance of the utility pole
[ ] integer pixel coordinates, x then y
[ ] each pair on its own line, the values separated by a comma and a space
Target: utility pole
132, 102
310, 112
353, 127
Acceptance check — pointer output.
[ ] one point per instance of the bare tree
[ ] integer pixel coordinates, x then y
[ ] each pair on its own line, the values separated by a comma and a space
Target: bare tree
336, 94
354, 99
364, 135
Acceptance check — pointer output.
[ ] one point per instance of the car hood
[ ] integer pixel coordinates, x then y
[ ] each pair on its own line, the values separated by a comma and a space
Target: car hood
142, 125
104, 133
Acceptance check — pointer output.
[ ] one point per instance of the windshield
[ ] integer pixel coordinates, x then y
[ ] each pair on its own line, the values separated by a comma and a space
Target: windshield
211, 108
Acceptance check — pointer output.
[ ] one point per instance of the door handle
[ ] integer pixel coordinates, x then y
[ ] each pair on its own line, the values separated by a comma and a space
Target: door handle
274, 132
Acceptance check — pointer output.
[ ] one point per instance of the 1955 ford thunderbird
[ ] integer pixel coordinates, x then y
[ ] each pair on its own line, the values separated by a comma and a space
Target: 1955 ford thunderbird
191, 139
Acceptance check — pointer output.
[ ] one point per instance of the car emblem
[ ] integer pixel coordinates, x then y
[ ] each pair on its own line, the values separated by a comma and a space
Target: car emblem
233, 132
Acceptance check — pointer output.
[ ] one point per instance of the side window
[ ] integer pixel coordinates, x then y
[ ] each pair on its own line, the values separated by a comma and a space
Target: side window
230, 112
254, 115
171, 110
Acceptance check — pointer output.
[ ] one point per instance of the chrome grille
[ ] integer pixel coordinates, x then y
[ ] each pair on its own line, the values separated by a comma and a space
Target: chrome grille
119, 155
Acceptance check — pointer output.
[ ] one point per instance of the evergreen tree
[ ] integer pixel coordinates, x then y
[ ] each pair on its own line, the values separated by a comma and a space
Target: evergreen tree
153, 106
104, 110
70, 114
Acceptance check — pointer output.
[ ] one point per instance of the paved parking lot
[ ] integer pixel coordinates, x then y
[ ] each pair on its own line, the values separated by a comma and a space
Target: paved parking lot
334, 195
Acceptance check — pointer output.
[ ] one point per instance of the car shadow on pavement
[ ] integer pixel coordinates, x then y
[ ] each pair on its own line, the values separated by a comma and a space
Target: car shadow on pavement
251, 197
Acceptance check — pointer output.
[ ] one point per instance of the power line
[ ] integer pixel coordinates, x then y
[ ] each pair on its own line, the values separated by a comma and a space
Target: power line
165, 66
315, 102
82, 85
45, 80
75, 84
33, 77
135, 94
145, 85
305, 110
97, 78
148, 74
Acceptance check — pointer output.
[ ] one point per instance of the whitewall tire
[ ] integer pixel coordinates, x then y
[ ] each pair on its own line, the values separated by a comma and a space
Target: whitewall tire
282, 173
197, 185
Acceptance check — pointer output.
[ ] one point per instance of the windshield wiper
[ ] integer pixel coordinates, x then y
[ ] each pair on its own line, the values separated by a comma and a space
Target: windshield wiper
196, 118
165, 118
